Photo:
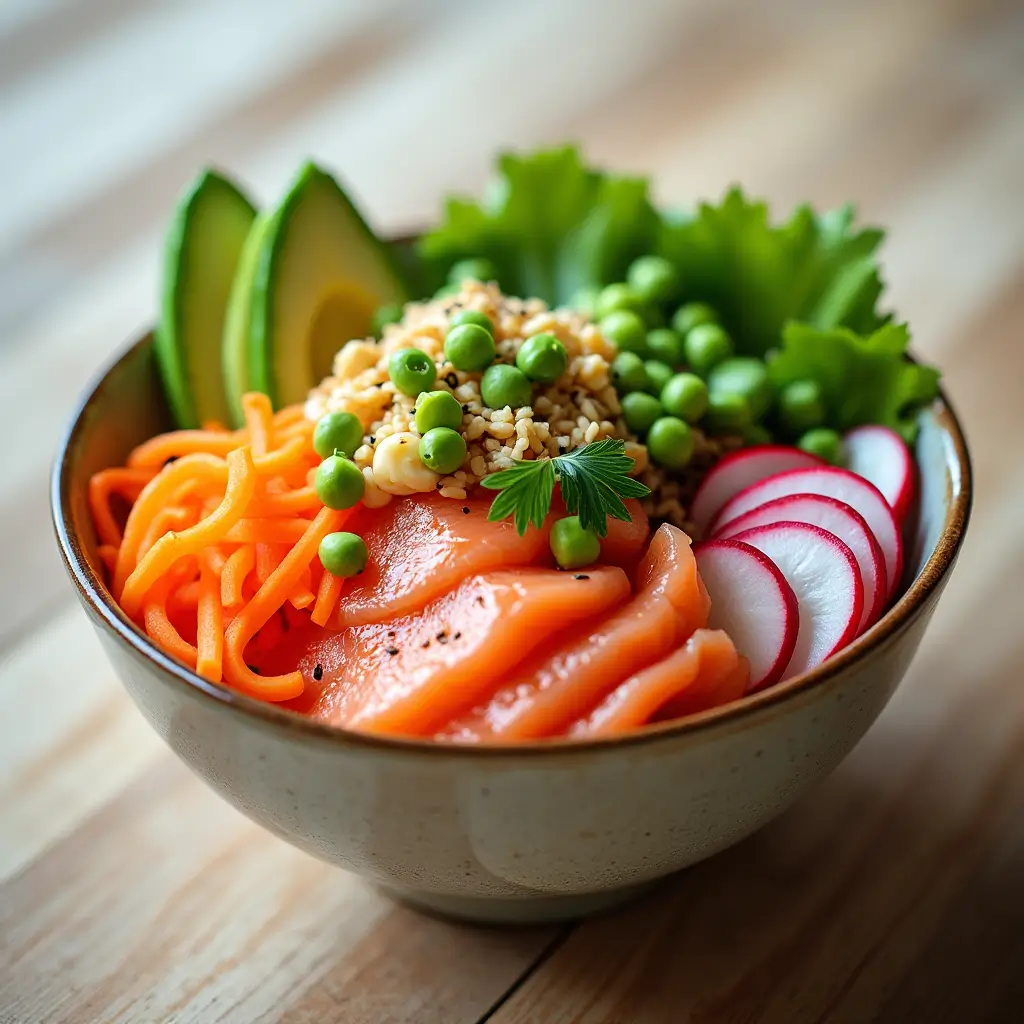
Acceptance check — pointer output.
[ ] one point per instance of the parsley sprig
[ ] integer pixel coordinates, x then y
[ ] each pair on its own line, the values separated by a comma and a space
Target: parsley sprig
594, 479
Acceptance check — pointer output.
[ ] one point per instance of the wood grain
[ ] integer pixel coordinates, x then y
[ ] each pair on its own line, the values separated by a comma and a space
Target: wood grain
128, 891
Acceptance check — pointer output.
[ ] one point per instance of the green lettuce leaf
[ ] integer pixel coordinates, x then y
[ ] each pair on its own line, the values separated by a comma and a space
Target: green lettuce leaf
549, 224
814, 267
864, 378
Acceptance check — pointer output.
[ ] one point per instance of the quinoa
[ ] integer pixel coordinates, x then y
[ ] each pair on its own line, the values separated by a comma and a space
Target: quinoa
580, 407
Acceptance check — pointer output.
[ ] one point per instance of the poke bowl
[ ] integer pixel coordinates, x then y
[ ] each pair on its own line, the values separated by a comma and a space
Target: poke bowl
485, 713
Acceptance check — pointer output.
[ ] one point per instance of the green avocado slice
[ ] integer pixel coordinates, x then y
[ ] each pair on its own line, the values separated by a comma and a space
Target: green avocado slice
238, 320
201, 254
319, 276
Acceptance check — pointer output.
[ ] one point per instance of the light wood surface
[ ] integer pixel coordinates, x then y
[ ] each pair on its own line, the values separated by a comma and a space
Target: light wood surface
128, 891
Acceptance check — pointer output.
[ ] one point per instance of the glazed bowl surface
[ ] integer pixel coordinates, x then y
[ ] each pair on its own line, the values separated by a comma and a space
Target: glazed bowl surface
542, 831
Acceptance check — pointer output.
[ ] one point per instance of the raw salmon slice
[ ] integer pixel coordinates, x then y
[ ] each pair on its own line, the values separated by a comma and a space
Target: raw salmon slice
566, 679
624, 542
412, 674
705, 672
422, 547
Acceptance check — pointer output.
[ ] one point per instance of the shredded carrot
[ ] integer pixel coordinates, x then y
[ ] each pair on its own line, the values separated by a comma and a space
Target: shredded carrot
170, 547
265, 603
161, 629
156, 451
327, 596
222, 535
108, 554
118, 480
210, 627
258, 421
266, 531
239, 564
155, 495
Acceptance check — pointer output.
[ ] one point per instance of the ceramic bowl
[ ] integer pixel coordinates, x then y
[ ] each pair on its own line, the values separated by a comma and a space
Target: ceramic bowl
534, 832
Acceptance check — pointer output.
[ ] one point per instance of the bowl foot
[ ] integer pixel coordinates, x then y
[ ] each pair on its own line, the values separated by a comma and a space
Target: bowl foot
523, 910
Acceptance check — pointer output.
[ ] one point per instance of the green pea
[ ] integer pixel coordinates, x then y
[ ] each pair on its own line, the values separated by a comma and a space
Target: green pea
412, 371
542, 358
757, 433
670, 442
472, 269
727, 414
339, 483
653, 278
625, 330
693, 314
469, 347
503, 385
472, 316
824, 443
585, 301
640, 410
747, 377
437, 409
629, 373
343, 554
705, 347
666, 345
685, 396
572, 545
389, 314
658, 375
442, 450
337, 432
614, 297
802, 405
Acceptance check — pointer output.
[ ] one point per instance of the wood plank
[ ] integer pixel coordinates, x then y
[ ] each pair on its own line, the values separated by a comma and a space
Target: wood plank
168, 904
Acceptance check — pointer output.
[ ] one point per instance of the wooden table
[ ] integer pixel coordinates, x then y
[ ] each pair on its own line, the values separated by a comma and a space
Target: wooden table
128, 891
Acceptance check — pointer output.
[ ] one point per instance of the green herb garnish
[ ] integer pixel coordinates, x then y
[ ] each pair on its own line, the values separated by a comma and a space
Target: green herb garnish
594, 480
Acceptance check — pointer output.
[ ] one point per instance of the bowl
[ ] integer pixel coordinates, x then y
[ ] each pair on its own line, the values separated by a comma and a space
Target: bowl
543, 831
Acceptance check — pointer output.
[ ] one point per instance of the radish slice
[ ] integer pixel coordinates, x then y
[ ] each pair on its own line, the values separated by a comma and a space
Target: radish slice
753, 603
823, 573
838, 518
841, 484
738, 471
879, 455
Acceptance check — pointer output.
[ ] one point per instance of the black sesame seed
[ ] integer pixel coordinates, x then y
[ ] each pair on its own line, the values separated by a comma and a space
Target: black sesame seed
465, 510
457, 636
318, 672
391, 634
442, 637
392, 651
426, 643
581, 576
373, 440
451, 380
479, 600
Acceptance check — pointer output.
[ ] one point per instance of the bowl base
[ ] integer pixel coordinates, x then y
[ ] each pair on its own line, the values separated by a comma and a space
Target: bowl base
525, 910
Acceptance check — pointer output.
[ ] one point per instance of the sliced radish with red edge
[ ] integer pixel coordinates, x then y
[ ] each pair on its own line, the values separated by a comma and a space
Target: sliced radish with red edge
753, 603
841, 484
737, 471
824, 576
838, 518
880, 455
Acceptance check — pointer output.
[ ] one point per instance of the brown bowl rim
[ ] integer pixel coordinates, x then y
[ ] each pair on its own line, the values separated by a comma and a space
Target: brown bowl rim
94, 593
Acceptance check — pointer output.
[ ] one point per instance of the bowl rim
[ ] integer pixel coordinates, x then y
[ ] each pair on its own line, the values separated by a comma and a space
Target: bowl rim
94, 594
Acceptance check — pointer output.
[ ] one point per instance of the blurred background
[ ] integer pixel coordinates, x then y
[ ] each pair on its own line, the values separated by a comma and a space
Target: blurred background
912, 109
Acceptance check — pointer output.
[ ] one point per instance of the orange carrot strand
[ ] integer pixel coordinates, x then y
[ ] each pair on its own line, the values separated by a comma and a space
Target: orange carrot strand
210, 628
327, 597
258, 421
238, 566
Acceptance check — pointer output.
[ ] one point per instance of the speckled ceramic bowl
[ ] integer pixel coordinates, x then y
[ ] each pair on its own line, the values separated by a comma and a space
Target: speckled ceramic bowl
541, 831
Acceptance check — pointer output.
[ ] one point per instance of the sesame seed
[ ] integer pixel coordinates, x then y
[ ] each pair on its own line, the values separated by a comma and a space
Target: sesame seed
318, 672
465, 510
581, 576
391, 651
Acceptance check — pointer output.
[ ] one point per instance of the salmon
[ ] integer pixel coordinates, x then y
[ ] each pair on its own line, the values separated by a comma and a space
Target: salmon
705, 672
421, 547
567, 678
624, 542
412, 674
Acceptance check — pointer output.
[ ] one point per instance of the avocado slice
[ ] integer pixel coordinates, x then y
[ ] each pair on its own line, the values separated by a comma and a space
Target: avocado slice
201, 255
238, 320
319, 276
